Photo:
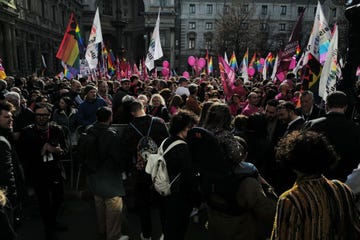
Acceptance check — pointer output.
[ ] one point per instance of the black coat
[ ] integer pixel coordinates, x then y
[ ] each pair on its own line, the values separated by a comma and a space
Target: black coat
344, 135
30, 144
297, 125
7, 174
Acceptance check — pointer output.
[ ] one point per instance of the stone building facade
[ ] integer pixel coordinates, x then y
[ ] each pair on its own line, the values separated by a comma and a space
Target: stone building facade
30, 29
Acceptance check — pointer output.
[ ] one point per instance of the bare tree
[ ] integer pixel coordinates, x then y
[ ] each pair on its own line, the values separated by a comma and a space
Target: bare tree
236, 31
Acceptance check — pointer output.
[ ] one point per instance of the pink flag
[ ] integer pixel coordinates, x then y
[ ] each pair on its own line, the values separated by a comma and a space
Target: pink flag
358, 71
229, 72
136, 70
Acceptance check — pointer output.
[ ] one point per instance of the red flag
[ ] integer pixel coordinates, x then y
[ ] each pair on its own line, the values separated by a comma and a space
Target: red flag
227, 77
286, 55
136, 70
144, 71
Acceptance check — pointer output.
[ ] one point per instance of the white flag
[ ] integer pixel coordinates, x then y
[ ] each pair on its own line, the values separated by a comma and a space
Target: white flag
226, 58
320, 36
155, 51
95, 38
329, 73
273, 75
244, 67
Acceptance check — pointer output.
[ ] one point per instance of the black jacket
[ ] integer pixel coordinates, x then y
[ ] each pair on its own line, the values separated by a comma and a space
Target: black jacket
344, 135
7, 175
30, 144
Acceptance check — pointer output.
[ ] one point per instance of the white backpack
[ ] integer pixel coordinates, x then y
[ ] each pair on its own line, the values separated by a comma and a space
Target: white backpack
156, 167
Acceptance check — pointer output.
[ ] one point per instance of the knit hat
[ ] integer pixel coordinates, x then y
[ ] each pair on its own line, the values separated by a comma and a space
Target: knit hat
88, 88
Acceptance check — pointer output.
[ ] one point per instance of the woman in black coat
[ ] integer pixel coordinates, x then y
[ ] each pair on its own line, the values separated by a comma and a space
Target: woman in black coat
176, 207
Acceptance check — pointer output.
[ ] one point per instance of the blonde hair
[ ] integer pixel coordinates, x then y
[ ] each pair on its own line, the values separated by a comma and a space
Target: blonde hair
2, 198
156, 95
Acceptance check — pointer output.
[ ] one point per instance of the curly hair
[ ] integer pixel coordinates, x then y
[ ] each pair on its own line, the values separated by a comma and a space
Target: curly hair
181, 120
306, 151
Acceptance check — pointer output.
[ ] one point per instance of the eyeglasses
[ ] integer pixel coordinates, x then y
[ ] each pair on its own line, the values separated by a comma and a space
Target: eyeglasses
42, 114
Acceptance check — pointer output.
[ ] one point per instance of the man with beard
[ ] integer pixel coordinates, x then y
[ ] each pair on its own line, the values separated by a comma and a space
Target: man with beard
284, 176
287, 115
41, 145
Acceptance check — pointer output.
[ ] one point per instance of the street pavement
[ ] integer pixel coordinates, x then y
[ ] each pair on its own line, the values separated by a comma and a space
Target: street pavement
78, 214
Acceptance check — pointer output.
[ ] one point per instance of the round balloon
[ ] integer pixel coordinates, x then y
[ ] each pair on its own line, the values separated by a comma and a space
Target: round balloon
201, 63
164, 71
191, 60
262, 61
186, 75
165, 64
251, 71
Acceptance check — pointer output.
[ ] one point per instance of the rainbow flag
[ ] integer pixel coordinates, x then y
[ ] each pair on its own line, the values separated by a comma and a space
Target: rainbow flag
69, 50
2, 71
210, 66
252, 61
111, 60
233, 63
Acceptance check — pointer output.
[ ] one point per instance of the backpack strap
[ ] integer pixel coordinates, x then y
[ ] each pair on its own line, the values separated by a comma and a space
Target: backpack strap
177, 142
149, 130
136, 129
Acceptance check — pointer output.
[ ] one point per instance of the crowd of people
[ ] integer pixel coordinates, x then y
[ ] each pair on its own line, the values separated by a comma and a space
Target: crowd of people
264, 158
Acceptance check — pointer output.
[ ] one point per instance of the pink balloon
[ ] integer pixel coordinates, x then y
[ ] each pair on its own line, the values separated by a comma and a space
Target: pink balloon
251, 71
186, 75
164, 71
191, 60
165, 64
262, 61
201, 63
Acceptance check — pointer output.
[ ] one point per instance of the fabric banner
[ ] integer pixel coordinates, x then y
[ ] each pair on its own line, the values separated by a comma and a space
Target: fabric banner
320, 37
155, 51
329, 72
69, 51
94, 40
286, 56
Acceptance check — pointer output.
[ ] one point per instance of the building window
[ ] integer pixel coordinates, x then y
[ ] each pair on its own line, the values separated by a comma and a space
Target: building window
282, 26
29, 4
209, 9
63, 17
300, 10
263, 26
264, 9
244, 26
226, 9
43, 8
125, 12
54, 13
245, 8
208, 44
333, 11
192, 25
191, 43
192, 8
162, 3
209, 26
283, 10
281, 43
163, 40
107, 7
